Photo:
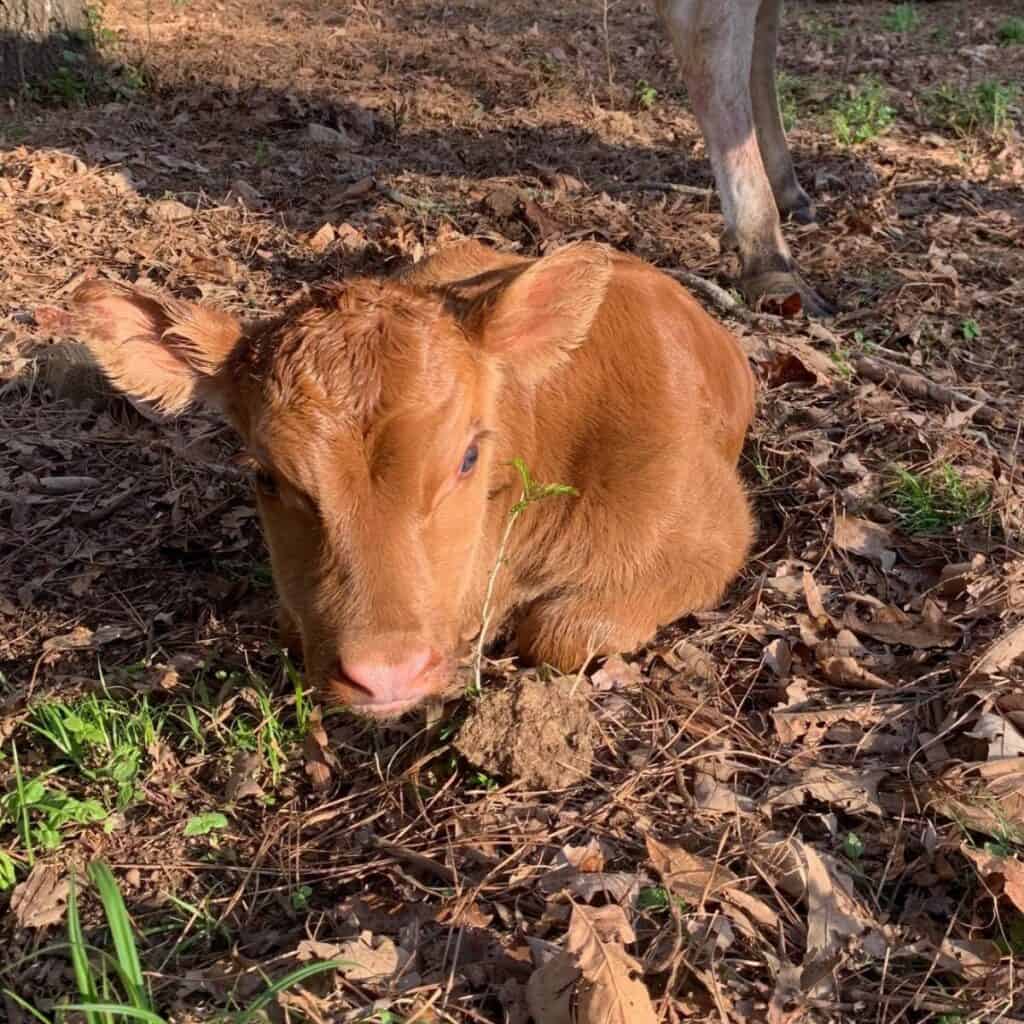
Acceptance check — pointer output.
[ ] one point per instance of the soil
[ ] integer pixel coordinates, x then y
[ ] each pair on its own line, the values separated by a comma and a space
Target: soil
536, 731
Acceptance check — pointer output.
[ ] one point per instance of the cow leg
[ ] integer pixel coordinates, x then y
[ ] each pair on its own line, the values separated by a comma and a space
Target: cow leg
714, 43
790, 198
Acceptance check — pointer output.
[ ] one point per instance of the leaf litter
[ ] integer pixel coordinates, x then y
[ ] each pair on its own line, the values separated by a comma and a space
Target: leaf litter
830, 761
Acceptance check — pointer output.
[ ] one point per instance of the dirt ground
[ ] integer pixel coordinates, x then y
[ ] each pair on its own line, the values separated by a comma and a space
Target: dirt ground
804, 805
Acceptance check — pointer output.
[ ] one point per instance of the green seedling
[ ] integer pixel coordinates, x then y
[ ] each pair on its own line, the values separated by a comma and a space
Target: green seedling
1011, 32
204, 824
862, 115
645, 95
902, 18
532, 493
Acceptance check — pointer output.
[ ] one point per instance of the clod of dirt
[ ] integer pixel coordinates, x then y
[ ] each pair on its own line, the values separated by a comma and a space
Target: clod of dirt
536, 731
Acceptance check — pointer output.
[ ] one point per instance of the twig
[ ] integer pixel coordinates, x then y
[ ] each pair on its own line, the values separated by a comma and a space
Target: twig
715, 294
660, 186
881, 371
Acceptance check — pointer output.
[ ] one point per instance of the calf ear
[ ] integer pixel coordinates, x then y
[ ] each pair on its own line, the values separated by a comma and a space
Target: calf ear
154, 348
548, 309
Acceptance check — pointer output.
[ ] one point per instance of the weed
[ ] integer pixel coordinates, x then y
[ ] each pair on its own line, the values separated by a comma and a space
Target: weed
1011, 32
658, 900
301, 897
204, 824
863, 114
938, 501
842, 363
984, 109
533, 492
645, 95
102, 978
853, 846
970, 330
104, 740
901, 18
481, 780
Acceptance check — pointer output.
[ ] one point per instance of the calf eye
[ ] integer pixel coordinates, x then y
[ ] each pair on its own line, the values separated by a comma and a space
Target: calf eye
469, 460
266, 484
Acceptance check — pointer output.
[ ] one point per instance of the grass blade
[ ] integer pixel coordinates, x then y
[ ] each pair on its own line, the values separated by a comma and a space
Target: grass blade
121, 931
131, 1012
287, 981
27, 1007
79, 956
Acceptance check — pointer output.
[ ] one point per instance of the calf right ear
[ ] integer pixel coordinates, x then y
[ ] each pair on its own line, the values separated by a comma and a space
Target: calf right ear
547, 309
154, 348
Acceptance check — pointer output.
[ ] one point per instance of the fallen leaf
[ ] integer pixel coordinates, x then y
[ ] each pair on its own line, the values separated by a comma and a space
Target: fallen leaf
778, 657
688, 875
242, 782
617, 674
320, 759
835, 916
892, 626
869, 540
550, 990
322, 135
169, 211
1005, 652
856, 792
846, 671
371, 958
1009, 869
320, 241
611, 992
42, 898
1004, 739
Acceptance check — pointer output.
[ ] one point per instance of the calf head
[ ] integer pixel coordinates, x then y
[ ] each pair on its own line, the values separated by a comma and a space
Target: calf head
369, 416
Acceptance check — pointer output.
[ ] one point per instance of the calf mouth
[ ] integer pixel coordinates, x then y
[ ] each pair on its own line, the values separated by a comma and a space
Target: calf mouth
438, 680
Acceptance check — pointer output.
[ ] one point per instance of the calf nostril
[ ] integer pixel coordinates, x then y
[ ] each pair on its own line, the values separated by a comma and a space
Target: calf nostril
385, 678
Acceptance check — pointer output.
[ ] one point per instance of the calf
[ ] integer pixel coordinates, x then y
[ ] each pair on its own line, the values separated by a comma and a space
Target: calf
381, 419
726, 51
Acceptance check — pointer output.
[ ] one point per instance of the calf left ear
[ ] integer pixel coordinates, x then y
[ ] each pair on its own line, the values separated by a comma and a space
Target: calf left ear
154, 348
547, 309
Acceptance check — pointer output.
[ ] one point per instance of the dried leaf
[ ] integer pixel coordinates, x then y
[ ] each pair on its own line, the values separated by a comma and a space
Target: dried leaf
846, 671
688, 875
892, 626
320, 759
550, 990
1004, 653
856, 792
991, 866
869, 540
611, 992
169, 211
835, 916
41, 899
243, 782
778, 657
369, 958
1004, 740
319, 241
617, 674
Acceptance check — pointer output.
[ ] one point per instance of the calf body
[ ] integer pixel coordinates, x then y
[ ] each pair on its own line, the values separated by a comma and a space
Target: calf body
382, 418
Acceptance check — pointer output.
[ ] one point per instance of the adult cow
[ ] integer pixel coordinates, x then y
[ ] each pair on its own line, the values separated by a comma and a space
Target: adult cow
726, 49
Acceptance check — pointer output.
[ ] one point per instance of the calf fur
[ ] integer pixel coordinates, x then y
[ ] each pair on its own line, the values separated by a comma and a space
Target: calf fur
381, 418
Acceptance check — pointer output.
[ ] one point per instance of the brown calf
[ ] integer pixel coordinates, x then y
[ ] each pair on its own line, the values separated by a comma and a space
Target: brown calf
381, 419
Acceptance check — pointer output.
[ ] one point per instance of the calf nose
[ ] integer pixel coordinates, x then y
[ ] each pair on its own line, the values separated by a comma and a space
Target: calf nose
381, 682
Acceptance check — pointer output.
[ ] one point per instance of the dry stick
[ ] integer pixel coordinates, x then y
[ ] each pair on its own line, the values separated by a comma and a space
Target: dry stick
659, 186
881, 371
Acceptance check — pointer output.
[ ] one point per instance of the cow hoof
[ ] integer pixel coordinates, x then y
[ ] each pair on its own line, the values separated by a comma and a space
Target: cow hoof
784, 293
803, 213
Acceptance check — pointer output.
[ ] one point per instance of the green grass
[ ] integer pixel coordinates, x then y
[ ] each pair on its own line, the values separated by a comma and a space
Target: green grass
787, 87
937, 501
863, 114
110, 985
986, 109
902, 18
1011, 32
645, 95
